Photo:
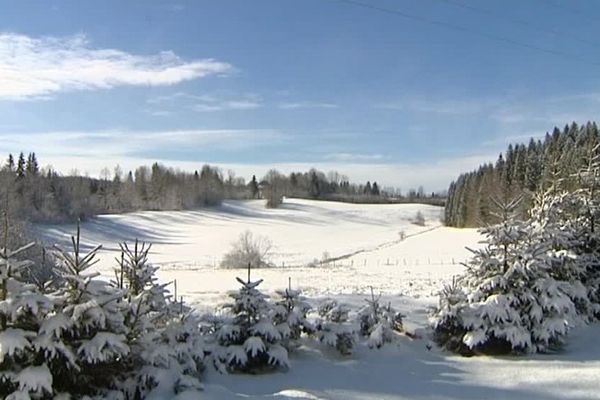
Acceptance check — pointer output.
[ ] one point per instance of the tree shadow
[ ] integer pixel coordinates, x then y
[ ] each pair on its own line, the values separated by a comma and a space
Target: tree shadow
404, 372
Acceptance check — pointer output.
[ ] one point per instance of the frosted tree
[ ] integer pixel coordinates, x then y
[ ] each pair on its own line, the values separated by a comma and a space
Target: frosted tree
583, 220
378, 323
88, 327
334, 328
557, 223
449, 328
512, 302
290, 316
24, 357
249, 341
167, 350
248, 250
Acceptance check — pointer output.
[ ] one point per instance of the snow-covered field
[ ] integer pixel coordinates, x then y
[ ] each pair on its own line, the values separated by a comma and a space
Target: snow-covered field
366, 243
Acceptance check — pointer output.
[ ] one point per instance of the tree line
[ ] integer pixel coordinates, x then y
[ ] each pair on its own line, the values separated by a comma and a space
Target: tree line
44, 195
522, 170
333, 186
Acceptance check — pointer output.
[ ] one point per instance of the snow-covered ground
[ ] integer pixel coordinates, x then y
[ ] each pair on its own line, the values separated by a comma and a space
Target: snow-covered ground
366, 243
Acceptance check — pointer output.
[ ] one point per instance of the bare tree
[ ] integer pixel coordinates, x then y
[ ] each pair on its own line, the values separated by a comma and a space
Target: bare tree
248, 250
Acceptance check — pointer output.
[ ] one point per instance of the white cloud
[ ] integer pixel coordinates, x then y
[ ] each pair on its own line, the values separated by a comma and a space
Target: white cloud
305, 104
353, 157
90, 152
208, 103
160, 113
38, 67
126, 144
446, 106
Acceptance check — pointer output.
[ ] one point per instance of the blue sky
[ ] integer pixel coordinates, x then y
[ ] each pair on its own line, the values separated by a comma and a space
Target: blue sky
411, 96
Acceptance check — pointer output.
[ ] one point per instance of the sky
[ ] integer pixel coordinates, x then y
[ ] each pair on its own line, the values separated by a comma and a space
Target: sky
406, 93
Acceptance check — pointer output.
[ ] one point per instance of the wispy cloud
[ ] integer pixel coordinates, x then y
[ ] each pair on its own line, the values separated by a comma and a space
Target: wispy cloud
37, 67
160, 113
134, 144
353, 157
207, 103
305, 104
213, 104
450, 107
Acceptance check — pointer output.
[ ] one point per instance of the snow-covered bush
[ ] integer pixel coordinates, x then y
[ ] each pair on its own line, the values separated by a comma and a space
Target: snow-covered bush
248, 250
512, 300
334, 328
378, 323
249, 340
419, 219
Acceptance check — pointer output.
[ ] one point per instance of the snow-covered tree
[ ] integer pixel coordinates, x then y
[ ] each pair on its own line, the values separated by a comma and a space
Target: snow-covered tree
448, 325
249, 340
24, 355
512, 301
167, 349
334, 328
87, 328
378, 323
582, 220
558, 225
290, 316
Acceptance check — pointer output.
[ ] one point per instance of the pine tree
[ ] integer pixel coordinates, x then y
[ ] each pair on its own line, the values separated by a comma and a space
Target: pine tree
249, 341
32, 167
10, 163
90, 324
512, 301
254, 191
290, 316
21, 166
334, 328
24, 354
167, 349
375, 189
378, 323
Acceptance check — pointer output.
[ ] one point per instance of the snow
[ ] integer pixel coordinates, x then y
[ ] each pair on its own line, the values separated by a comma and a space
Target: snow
364, 249
35, 379
13, 341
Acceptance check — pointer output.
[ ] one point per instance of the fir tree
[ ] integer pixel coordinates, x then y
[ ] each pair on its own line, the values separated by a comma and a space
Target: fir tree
334, 328
512, 301
24, 355
32, 167
254, 191
375, 189
10, 163
167, 350
250, 340
378, 323
290, 316
21, 166
90, 324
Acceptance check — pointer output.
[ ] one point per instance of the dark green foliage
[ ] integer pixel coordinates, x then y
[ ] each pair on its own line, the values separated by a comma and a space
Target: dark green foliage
521, 171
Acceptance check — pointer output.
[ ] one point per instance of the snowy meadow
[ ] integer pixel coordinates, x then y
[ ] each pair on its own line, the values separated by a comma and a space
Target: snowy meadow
340, 251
